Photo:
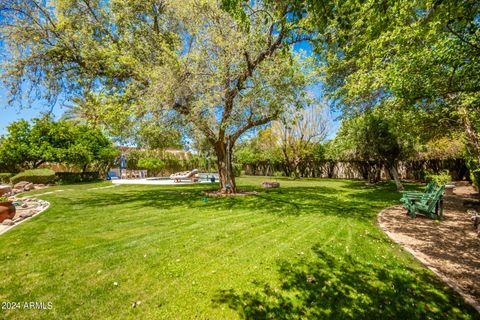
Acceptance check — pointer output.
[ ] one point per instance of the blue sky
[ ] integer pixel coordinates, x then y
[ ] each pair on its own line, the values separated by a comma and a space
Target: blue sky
9, 114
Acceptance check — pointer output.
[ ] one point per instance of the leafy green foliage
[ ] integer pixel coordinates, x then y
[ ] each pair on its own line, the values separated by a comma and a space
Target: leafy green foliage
77, 177
165, 162
39, 176
152, 164
159, 136
30, 145
440, 179
69, 46
371, 138
261, 148
5, 177
368, 137
237, 169
416, 56
447, 147
409, 51
475, 177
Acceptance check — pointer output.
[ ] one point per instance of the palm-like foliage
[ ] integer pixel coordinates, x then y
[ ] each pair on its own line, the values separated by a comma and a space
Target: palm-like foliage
83, 109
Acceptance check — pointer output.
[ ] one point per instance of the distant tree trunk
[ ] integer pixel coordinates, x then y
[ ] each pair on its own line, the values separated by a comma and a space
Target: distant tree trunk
471, 134
373, 172
392, 168
224, 161
330, 168
296, 167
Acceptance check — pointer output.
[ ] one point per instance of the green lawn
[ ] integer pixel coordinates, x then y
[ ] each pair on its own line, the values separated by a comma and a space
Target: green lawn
310, 249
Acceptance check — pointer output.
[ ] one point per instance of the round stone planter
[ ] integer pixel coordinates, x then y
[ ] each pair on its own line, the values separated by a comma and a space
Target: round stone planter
7, 210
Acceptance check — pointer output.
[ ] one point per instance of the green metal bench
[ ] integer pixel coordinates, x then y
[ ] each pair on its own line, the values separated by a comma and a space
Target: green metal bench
430, 205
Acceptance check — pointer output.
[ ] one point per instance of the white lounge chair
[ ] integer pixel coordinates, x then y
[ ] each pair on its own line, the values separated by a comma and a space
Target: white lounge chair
177, 177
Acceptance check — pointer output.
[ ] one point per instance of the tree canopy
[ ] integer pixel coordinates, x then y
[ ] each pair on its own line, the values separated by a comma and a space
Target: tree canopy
419, 56
29, 145
191, 62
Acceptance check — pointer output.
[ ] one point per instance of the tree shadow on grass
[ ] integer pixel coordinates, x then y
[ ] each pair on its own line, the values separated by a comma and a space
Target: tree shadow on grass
328, 287
352, 201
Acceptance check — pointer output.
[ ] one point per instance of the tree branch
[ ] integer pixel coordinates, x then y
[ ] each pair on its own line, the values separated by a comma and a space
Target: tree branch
459, 36
250, 68
94, 15
250, 124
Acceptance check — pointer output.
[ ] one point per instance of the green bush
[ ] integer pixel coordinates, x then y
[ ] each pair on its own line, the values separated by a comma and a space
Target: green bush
152, 164
475, 177
237, 169
440, 179
77, 177
5, 177
278, 174
39, 176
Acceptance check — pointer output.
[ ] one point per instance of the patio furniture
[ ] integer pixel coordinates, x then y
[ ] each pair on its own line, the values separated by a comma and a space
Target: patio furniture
430, 205
177, 177
111, 175
412, 196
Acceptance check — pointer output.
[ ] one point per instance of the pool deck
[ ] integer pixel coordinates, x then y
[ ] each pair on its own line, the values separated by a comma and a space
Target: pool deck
155, 182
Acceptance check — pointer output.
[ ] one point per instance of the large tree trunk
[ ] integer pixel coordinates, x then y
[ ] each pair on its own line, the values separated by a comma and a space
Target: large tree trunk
392, 168
225, 172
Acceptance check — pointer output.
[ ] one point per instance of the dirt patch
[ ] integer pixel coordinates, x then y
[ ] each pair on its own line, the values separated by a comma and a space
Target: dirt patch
450, 248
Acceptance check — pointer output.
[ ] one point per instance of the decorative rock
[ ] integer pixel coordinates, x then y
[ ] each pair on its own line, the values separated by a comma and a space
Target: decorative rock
39, 186
8, 210
5, 190
475, 218
29, 187
271, 185
8, 222
24, 205
20, 185
26, 215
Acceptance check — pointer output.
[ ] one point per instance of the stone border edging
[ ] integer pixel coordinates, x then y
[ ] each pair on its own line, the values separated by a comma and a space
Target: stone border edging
422, 258
26, 219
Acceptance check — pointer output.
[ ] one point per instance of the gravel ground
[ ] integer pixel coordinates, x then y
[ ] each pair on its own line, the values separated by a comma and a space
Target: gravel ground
449, 248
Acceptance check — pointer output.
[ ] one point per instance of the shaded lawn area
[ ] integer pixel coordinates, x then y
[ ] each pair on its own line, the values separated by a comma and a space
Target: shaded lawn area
310, 249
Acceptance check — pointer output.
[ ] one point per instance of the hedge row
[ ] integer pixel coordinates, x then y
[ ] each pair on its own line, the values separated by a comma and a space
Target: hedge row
37, 176
46, 176
5, 177
76, 177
